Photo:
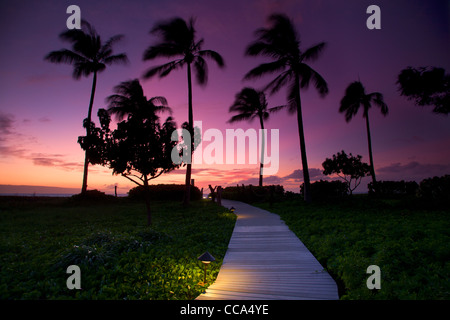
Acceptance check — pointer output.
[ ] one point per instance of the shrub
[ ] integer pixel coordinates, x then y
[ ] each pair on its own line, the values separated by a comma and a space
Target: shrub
394, 188
91, 196
326, 190
165, 192
435, 189
250, 194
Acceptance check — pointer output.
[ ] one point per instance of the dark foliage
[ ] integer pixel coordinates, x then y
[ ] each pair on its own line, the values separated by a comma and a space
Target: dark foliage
327, 190
427, 87
436, 189
173, 192
347, 167
251, 194
393, 188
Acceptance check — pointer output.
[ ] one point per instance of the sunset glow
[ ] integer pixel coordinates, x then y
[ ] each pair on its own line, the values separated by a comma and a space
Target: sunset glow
42, 107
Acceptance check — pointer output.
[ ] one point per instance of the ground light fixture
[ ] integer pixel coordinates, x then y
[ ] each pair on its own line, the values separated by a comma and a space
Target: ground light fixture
206, 258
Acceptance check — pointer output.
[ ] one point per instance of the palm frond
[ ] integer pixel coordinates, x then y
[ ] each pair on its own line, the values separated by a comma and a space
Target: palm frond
377, 98
308, 74
242, 117
163, 70
311, 54
214, 56
174, 31
201, 70
65, 56
116, 59
280, 81
352, 100
162, 101
277, 108
265, 68
165, 50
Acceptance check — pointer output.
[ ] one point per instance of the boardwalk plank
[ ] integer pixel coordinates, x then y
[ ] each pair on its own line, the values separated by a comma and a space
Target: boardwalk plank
265, 260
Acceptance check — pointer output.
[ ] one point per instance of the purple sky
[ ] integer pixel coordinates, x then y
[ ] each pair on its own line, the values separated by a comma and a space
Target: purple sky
42, 107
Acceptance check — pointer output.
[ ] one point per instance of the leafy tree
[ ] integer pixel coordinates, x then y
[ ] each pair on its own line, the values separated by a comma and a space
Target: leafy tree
178, 39
129, 99
88, 55
281, 42
250, 104
347, 167
355, 97
139, 149
427, 87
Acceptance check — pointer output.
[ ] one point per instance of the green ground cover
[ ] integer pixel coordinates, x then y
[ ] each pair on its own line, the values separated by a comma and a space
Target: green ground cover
119, 256
407, 239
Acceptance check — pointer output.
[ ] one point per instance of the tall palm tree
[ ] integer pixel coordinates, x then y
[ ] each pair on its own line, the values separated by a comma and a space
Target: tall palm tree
355, 97
281, 42
250, 104
129, 99
177, 40
88, 55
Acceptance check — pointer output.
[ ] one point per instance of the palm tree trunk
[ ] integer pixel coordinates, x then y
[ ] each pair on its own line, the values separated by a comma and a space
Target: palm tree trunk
263, 144
187, 193
88, 133
369, 141
307, 185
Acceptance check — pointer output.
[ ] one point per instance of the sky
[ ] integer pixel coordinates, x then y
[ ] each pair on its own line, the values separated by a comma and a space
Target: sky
42, 107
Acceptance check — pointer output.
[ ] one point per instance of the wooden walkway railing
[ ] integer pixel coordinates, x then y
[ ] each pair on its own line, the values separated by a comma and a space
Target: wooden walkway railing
265, 260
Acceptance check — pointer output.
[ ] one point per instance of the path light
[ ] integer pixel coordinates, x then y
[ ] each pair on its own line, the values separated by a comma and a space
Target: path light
232, 209
206, 259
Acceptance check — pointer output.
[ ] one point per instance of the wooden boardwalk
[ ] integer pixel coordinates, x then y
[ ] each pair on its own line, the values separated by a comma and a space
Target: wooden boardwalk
265, 260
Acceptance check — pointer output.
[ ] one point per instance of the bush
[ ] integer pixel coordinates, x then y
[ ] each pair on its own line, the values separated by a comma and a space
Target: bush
252, 194
326, 190
165, 192
91, 196
436, 189
393, 188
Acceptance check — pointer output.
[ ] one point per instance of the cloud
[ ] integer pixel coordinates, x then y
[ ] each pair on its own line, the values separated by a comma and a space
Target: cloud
413, 171
314, 174
291, 181
6, 124
54, 160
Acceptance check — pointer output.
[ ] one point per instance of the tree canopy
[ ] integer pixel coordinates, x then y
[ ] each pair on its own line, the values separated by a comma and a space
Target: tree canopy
347, 167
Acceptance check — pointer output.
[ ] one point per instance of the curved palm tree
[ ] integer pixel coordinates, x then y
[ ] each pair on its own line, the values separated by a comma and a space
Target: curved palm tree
177, 39
281, 42
355, 97
250, 104
88, 55
130, 100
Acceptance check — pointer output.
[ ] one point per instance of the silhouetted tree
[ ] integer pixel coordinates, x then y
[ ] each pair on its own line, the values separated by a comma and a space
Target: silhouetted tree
355, 97
139, 149
427, 87
281, 42
250, 104
178, 40
130, 100
347, 167
88, 55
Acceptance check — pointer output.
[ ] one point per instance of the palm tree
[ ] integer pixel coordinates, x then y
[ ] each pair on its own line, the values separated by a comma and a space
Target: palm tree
130, 100
177, 40
281, 43
250, 104
355, 97
88, 55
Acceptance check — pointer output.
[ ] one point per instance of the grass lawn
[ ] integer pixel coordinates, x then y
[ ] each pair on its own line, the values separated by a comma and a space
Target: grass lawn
119, 256
406, 239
